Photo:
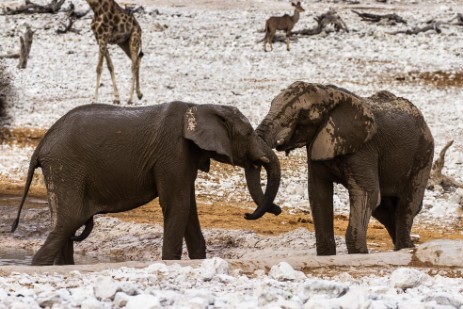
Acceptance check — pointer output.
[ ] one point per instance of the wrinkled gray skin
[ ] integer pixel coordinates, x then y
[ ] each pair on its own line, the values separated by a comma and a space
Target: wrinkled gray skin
379, 148
105, 159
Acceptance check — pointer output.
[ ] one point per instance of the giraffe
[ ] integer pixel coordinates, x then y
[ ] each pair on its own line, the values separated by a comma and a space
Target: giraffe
112, 24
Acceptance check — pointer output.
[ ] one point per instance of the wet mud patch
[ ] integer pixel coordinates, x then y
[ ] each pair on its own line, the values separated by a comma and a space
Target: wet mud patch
439, 79
21, 136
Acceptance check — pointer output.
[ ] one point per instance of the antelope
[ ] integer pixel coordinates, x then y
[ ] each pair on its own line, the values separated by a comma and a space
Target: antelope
285, 22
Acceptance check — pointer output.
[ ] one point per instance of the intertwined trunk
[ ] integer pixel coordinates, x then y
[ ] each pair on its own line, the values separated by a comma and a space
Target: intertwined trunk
264, 200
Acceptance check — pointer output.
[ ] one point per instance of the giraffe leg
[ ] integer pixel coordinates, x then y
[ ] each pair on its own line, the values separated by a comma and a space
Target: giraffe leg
135, 56
99, 69
139, 93
117, 99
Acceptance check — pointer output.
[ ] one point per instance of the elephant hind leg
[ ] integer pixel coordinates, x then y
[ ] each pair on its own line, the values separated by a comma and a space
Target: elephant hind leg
58, 247
410, 201
66, 254
52, 248
385, 214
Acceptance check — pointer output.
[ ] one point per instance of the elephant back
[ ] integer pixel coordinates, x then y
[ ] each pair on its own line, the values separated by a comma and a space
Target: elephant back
387, 102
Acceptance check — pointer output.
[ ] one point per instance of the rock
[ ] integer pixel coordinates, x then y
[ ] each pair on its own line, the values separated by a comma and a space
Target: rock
158, 269
322, 289
283, 271
441, 252
405, 278
78, 295
211, 267
121, 299
143, 301
105, 288
445, 300
91, 303
198, 303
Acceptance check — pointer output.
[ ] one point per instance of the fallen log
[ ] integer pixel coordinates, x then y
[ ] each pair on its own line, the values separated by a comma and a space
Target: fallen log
31, 8
323, 21
376, 18
458, 18
433, 26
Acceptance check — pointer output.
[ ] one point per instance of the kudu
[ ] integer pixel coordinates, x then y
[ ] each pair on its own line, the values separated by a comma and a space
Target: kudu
285, 22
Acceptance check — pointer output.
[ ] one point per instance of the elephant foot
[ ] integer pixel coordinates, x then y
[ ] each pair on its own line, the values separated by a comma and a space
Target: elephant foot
353, 248
328, 249
357, 251
403, 245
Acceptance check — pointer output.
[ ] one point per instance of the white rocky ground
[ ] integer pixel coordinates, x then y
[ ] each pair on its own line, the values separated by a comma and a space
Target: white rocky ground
209, 54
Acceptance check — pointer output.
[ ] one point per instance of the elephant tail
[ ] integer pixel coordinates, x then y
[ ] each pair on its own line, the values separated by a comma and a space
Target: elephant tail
30, 174
87, 230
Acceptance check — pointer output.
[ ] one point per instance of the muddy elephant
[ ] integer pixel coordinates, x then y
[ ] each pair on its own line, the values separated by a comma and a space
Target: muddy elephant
380, 148
105, 159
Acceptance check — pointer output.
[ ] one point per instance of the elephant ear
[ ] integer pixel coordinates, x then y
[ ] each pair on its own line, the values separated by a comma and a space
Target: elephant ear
348, 127
205, 125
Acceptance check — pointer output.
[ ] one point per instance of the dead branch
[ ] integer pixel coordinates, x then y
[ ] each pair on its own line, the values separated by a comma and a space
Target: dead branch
323, 21
72, 17
10, 56
68, 27
458, 18
376, 18
132, 9
433, 26
25, 48
437, 178
72, 13
31, 8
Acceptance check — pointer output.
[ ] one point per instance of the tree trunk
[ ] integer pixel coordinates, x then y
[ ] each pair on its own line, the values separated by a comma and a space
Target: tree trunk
26, 44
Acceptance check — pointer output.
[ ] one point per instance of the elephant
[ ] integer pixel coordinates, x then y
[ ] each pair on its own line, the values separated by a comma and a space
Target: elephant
379, 148
101, 159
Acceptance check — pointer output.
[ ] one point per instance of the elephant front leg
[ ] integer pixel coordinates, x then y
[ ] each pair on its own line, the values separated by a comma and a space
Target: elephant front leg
194, 238
359, 217
176, 213
174, 197
321, 205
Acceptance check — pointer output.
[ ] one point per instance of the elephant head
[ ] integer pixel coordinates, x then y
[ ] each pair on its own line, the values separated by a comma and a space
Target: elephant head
229, 137
329, 120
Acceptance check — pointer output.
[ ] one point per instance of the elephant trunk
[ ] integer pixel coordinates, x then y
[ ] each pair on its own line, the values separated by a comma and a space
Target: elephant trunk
264, 201
265, 131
